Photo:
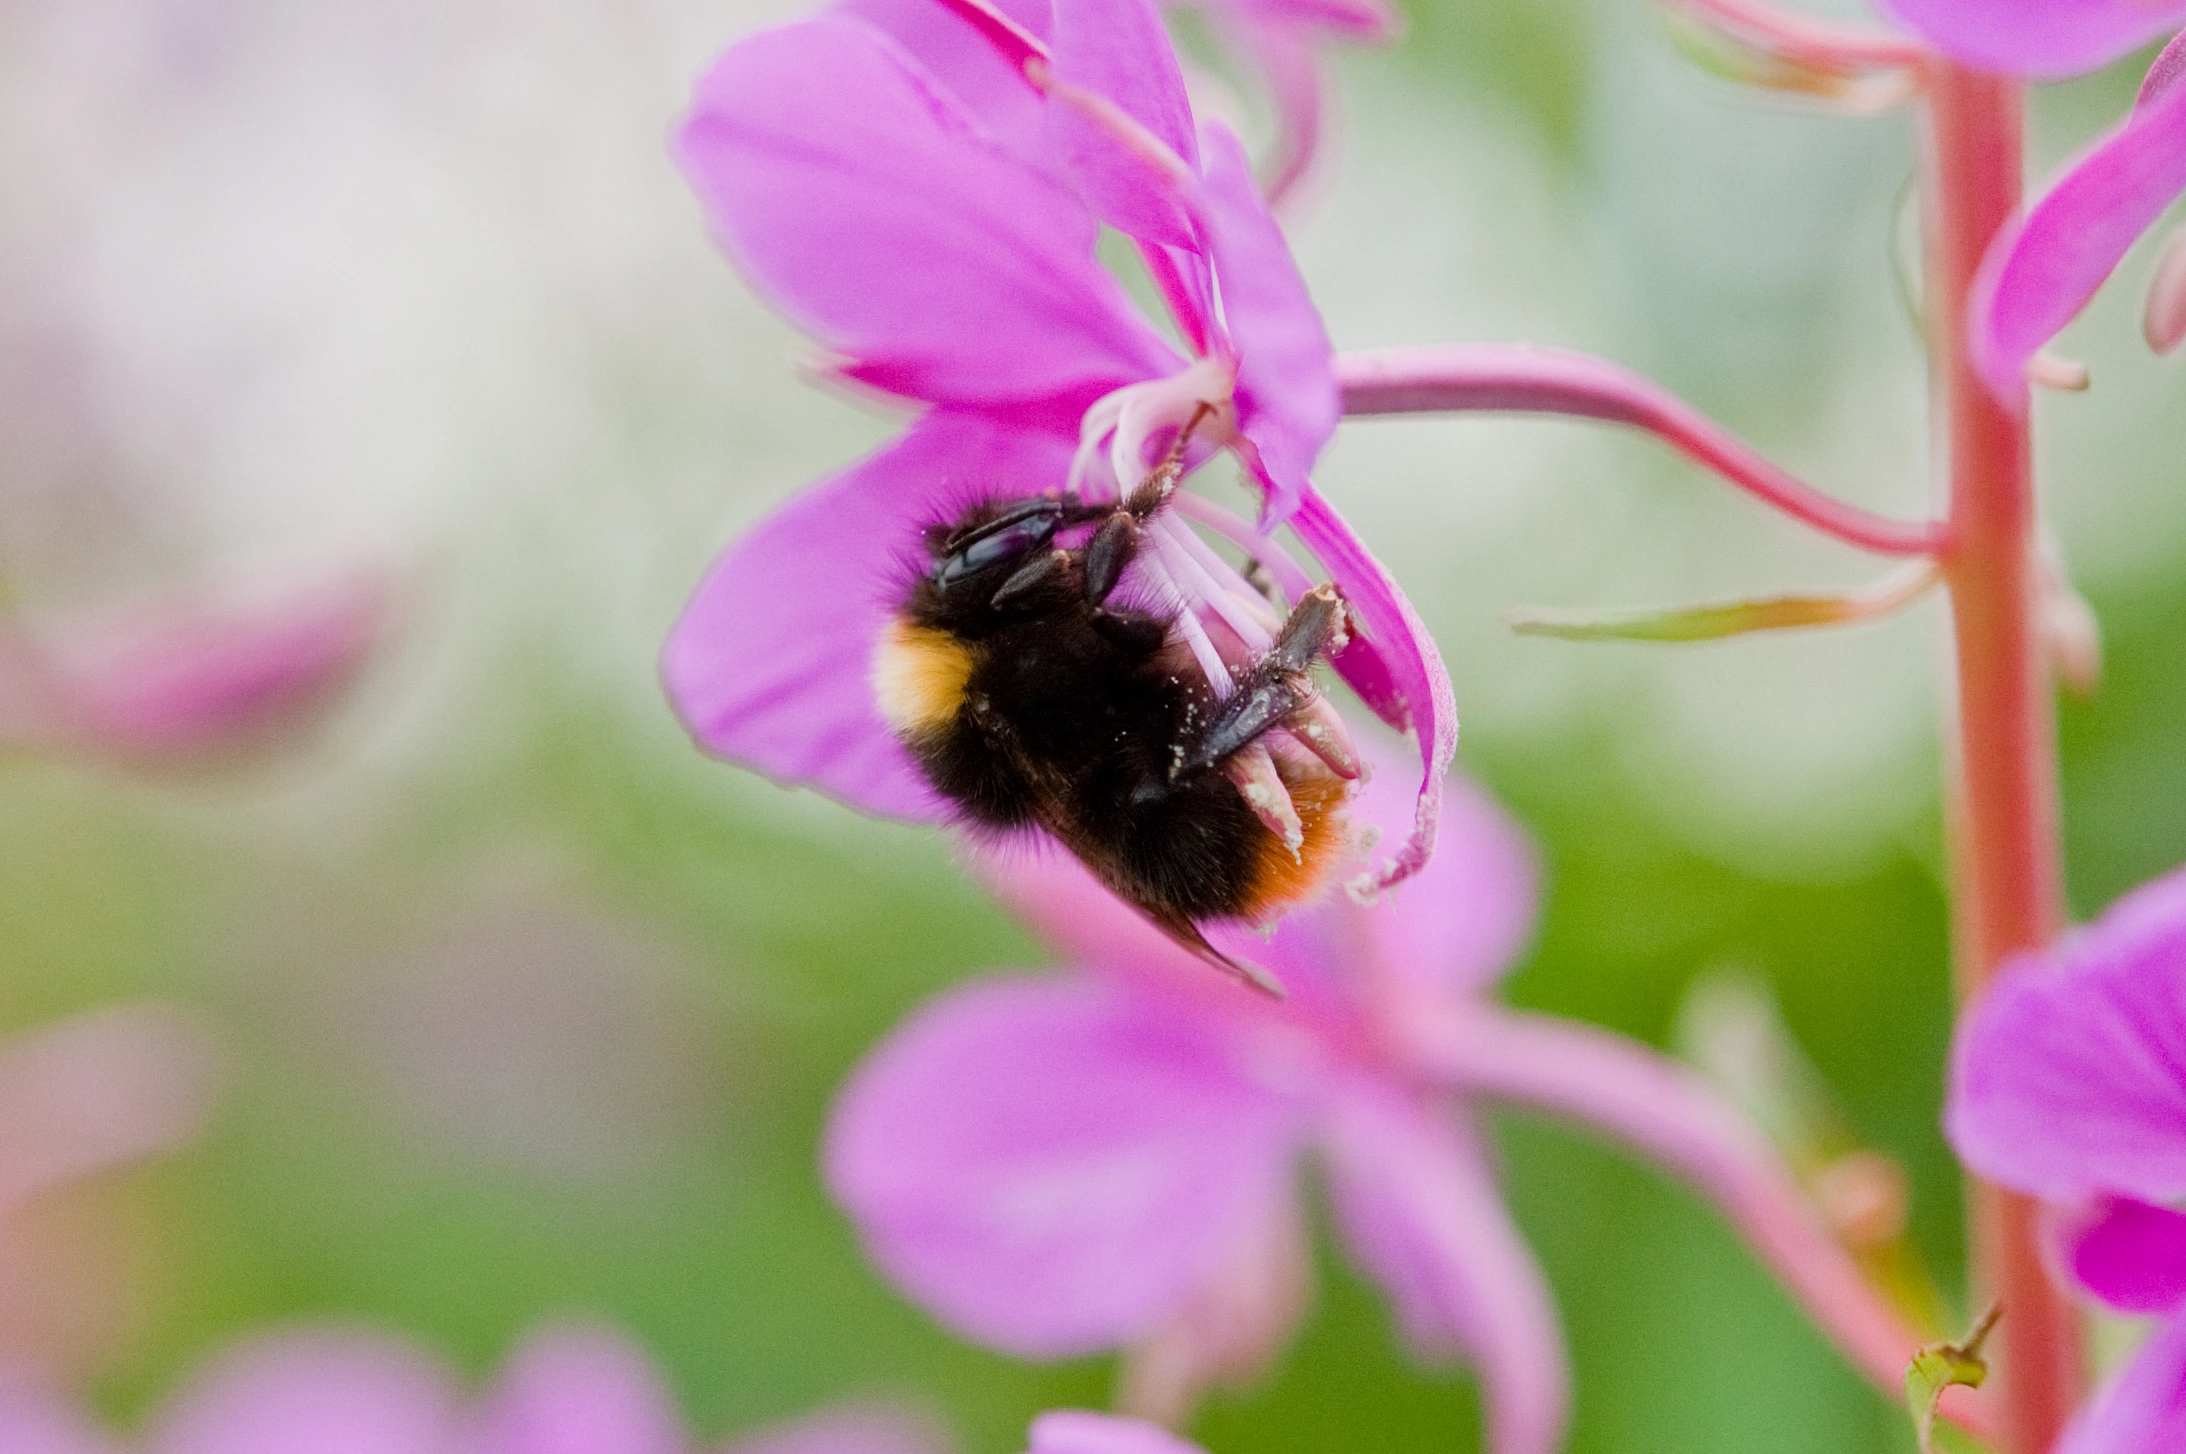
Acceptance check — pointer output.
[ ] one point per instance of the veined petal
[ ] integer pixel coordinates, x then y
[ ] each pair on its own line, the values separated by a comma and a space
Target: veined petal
2144, 1408
961, 59
1051, 1167
315, 1391
771, 663
898, 233
1397, 671
1420, 1208
1463, 920
2043, 39
2131, 1255
1117, 49
2069, 1075
1287, 398
1073, 1431
2041, 271
579, 1390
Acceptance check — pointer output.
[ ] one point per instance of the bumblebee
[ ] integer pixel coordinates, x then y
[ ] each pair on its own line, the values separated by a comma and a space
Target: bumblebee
1029, 699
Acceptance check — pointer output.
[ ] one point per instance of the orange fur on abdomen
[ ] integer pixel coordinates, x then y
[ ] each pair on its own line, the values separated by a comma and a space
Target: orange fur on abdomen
1282, 879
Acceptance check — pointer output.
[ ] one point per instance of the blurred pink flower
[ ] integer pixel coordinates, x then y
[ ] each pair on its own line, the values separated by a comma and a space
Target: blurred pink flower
184, 682
1057, 1165
891, 180
2068, 1082
567, 1390
1073, 1431
80, 1097
2046, 40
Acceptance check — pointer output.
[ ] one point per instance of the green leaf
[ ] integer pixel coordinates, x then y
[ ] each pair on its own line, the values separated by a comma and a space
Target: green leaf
1938, 1366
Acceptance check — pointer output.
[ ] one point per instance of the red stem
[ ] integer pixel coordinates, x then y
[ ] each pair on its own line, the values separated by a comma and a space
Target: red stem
1520, 378
2006, 855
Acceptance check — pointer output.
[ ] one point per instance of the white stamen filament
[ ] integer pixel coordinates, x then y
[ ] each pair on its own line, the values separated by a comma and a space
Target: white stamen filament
1187, 569
1156, 565
1129, 419
1290, 577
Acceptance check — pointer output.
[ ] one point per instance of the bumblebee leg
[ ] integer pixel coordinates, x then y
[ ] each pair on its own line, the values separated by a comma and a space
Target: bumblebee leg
1042, 570
1108, 552
1274, 687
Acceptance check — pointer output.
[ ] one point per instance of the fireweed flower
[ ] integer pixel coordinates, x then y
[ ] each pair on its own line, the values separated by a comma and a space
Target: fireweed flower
2044, 267
912, 202
1111, 1157
186, 682
567, 1390
2068, 1082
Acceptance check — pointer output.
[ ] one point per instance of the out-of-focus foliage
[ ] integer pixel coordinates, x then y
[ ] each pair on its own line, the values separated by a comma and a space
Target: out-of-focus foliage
533, 1011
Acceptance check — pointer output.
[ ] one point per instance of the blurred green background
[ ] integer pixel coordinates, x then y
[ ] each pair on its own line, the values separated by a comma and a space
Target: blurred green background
529, 1010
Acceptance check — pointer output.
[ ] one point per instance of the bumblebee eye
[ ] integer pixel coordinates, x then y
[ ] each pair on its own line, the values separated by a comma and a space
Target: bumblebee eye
1007, 539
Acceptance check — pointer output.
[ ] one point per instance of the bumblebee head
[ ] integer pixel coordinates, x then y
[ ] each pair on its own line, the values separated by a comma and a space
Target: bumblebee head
991, 541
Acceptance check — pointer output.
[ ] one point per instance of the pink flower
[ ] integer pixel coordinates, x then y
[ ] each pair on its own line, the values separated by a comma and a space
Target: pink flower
1056, 1165
2044, 267
567, 1390
186, 682
896, 185
2068, 1082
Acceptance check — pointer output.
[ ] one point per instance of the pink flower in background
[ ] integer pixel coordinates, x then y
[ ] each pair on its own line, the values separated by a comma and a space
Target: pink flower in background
568, 1390
186, 682
2068, 1082
2043, 268
79, 1098
1056, 1165
916, 206
1061, 1164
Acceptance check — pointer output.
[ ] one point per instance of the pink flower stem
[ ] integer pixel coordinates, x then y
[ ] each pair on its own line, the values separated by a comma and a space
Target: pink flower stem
1516, 378
1807, 40
2006, 856
1681, 1122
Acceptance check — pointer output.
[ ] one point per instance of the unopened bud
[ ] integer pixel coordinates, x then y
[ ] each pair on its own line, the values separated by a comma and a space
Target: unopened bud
2164, 320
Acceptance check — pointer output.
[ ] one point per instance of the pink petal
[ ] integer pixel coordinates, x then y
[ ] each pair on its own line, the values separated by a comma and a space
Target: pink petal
1421, 1210
314, 1391
1050, 1167
1397, 670
2043, 39
1459, 923
1118, 50
579, 1390
2041, 271
874, 1429
185, 682
1287, 400
100, 1090
2143, 1411
899, 234
1071, 1431
1301, 95
957, 55
2131, 1255
35, 1420
1368, 21
2069, 1075
770, 663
